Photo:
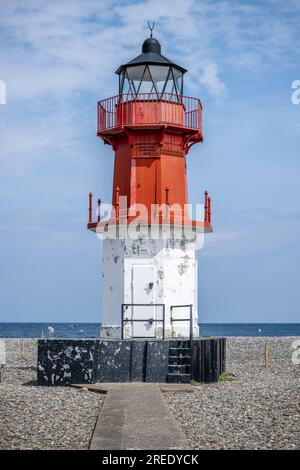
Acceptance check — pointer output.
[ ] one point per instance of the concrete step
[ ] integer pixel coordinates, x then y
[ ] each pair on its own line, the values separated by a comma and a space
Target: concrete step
180, 344
179, 369
182, 352
179, 378
178, 360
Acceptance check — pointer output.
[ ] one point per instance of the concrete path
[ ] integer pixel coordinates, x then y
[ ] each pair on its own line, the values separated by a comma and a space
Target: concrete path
136, 416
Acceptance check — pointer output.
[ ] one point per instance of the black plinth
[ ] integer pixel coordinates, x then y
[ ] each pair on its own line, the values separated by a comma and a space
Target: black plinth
71, 361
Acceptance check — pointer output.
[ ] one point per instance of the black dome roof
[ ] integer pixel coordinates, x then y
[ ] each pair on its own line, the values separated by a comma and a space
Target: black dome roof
151, 54
151, 45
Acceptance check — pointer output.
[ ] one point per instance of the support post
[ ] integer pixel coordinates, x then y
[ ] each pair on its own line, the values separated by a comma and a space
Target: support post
191, 339
163, 335
191, 322
167, 202
90, 208
206, 207
98, 210
117, 204
266, 354
167, 196
122, 322
208, 210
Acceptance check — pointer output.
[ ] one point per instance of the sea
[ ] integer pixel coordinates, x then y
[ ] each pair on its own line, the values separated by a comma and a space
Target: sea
92, 330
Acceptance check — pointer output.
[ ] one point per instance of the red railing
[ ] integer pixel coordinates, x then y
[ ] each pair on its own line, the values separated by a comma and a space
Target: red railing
207, 207
149, 109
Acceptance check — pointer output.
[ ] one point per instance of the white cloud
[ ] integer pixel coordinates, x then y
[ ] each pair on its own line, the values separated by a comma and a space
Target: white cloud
58, 47
53, 49
210, 79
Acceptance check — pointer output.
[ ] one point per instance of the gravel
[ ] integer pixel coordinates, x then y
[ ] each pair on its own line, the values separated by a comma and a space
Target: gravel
35, 417
257, 409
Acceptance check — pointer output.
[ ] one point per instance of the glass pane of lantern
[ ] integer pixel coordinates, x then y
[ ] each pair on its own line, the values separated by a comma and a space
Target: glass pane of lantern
170, 85
179, 84
121, 83
146, 85
128, 90
159, 74
126, 86
177, 73
135, 75
178, 79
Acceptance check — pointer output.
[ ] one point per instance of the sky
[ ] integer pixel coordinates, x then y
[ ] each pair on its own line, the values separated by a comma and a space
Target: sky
57, 59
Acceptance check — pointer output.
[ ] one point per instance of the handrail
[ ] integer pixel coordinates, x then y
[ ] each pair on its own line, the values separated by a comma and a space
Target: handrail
149, 109
207, 209
125, 320
190, 319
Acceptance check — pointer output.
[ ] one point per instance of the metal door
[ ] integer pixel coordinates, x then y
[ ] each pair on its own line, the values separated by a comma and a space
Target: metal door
143, 292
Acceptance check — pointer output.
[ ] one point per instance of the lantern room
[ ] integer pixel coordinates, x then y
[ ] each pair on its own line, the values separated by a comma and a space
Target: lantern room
151, 73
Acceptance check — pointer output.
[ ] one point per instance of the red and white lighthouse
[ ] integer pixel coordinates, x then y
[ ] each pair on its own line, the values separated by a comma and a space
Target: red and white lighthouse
149, 271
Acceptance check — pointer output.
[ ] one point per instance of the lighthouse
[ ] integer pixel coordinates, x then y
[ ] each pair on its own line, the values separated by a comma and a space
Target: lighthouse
150, 239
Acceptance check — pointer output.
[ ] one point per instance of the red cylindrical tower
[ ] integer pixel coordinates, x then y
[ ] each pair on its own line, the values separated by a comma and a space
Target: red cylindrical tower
151, 126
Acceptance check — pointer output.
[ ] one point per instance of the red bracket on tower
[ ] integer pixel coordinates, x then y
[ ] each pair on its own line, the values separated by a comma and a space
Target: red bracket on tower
167, 196
90, 208
190, 140
207, 208
98, 209
117, 204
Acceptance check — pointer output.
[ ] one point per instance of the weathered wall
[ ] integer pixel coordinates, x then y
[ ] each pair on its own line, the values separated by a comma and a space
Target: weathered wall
209, 359
64, 362
112, 286
174, 262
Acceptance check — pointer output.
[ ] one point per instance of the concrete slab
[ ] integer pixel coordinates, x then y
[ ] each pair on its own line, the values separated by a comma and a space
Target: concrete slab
136, 416
176, 388
91, 387
164, 387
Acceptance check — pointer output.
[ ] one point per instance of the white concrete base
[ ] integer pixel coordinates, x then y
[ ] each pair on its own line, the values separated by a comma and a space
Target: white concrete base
149, 271
110, 331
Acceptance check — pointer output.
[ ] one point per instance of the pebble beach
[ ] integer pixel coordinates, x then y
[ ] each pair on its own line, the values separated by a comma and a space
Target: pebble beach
253, 408
35, 417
